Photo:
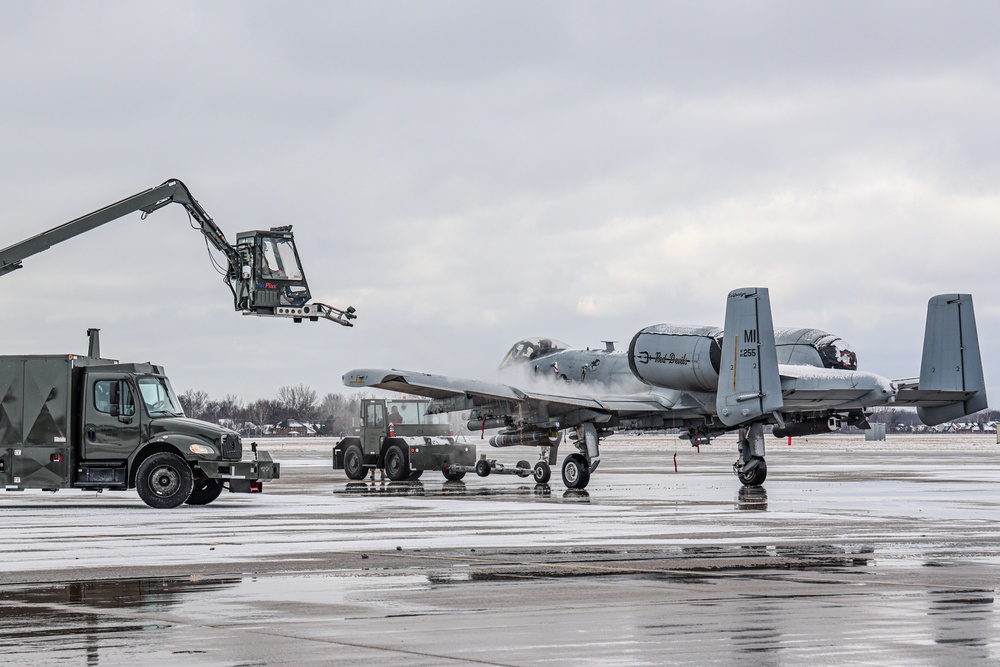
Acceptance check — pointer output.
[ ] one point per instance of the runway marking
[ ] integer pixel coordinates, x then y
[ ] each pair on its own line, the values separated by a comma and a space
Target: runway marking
376, 647
169, 621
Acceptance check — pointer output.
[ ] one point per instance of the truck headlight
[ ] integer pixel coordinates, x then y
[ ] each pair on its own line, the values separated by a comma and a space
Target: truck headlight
201, 449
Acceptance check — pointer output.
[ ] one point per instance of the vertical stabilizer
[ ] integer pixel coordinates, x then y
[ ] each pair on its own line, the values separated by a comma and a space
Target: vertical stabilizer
749, 385
951, 360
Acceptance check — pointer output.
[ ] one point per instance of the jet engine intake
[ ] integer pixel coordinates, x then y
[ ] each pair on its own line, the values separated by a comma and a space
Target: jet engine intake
685, 358
807, 427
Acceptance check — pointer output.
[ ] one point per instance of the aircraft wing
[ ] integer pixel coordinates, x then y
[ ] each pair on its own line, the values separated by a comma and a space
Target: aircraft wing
431, 386
464, 394
807, 388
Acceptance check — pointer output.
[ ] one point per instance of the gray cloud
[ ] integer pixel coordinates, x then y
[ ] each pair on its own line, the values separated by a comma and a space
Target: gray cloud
468, 174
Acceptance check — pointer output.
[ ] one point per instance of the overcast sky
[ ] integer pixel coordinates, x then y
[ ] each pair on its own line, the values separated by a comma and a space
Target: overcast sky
467, 174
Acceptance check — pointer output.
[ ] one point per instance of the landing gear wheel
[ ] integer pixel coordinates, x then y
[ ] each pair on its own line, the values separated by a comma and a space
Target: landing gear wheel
453, 476
483, 468
542, 472
756, 476
575, 473
354, 463
526, 466
164, 480
414, 475
205, 492
395, 464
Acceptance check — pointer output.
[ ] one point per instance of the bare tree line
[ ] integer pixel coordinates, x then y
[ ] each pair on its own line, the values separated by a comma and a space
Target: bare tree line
334, 414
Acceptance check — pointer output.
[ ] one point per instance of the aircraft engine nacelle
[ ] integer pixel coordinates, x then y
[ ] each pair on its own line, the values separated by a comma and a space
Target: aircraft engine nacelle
679, 357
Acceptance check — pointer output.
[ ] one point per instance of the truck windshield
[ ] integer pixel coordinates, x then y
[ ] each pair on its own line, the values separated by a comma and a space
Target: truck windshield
159, 397
409, 411
280, 261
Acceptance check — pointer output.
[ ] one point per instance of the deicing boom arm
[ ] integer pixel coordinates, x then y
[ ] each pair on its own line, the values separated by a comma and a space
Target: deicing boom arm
147, 201
239, 259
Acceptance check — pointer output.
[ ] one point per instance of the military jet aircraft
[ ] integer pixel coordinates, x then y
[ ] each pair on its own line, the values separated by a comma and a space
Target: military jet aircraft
706, 381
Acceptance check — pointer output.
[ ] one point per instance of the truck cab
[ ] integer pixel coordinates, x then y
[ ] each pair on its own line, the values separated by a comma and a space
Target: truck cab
69, 421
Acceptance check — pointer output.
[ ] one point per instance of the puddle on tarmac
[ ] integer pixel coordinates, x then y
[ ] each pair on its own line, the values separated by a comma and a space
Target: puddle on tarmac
459, 489
190, 621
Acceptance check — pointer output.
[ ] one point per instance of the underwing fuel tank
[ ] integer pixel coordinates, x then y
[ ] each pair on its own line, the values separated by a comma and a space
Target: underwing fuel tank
679, 357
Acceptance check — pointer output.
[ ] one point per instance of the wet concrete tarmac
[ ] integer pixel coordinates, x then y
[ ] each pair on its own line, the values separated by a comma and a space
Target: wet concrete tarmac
853, 553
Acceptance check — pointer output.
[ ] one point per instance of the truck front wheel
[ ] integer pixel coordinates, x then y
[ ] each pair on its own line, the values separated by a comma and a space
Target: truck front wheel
205, 492
354, 463
164, 480
396, 467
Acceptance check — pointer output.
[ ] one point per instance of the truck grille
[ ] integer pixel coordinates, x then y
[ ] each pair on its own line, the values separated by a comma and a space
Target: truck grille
232, 447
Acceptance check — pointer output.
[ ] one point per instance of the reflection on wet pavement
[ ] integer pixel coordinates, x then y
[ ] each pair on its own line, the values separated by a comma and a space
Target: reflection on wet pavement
874, 557
450, 615
457, 488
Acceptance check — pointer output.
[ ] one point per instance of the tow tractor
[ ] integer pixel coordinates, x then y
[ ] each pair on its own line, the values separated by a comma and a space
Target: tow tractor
399, 437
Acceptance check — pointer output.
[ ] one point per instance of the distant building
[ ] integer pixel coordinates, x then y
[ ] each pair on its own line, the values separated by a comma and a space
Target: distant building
294, 427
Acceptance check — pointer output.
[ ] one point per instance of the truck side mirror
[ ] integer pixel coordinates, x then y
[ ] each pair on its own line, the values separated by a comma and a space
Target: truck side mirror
122, 405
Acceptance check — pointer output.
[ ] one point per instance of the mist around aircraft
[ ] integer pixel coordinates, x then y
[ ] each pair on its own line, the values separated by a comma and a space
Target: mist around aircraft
705, 381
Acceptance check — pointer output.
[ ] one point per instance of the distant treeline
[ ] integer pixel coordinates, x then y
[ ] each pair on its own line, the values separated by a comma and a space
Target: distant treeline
334, 414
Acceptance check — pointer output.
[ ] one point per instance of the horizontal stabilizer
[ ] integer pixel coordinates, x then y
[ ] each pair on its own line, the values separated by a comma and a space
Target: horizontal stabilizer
749, 384
951, 366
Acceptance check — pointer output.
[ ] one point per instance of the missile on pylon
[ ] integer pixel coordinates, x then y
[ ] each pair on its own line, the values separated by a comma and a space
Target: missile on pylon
491, 422
537, 438
807, 427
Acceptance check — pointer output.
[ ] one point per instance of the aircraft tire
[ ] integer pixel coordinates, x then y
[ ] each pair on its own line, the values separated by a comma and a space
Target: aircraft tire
542, 472
205, 492
524, 465
453, 476
483, 468
395, 465
354, 463
756, 476
164, 480
575, 473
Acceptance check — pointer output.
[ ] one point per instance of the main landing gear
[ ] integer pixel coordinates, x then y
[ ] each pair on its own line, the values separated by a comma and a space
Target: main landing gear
577, 466
750, 468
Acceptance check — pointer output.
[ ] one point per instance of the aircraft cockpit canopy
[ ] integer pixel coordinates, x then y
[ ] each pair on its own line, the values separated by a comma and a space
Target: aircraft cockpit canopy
836, 353
814, 348
530, 349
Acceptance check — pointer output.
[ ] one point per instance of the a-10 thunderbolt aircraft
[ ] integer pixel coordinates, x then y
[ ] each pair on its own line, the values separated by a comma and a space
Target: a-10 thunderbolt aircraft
706, 381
